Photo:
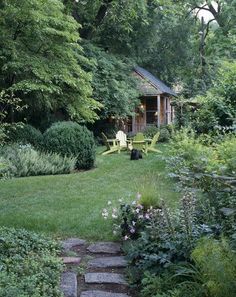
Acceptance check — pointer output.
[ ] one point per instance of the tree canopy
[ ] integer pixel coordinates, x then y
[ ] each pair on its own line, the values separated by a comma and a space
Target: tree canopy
41, 59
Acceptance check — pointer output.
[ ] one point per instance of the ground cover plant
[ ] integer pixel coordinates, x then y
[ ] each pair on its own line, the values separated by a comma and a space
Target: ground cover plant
71, 204
30, 266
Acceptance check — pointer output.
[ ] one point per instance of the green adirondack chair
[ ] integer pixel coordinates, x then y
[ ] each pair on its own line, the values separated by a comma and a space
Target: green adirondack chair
113, 145
139, 142
151, 146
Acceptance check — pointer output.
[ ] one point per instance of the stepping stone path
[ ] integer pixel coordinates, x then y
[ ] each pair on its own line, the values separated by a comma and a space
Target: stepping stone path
95, 270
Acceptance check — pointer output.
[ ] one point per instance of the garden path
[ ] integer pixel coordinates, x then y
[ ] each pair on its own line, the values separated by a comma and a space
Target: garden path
93, 270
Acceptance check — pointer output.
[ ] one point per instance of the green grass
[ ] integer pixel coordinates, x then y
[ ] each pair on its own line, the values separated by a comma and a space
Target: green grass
71, 205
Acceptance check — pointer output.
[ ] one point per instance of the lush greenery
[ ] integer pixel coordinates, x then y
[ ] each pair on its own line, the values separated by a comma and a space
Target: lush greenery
24, 160
44, 72
25, 134
30, 266
70, 205
189, 250
71, 139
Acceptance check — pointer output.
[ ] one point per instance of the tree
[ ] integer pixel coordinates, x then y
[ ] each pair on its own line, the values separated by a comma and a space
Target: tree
40, 59
113, 84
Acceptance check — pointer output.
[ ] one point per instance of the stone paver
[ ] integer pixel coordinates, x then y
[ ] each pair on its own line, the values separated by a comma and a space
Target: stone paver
107, 262
71, 260
101, 294
105, 248
69, 284
71, 242
105, 278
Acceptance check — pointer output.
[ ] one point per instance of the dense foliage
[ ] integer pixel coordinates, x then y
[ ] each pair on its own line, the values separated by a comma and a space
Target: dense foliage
24, 160
112, 82
40, 59
190, 250
71, 139
25, 134
30, 266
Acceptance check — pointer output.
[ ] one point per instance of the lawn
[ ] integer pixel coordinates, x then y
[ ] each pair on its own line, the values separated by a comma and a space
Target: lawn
71, 205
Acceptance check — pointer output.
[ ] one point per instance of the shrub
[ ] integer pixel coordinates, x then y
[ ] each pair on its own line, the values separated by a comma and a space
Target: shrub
71, 139
150, 131
25, 134
164, 135
23, 160
30, 266
165, 132
216, 262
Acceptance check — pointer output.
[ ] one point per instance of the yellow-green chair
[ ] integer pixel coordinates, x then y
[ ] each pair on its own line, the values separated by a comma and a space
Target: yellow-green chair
113, 145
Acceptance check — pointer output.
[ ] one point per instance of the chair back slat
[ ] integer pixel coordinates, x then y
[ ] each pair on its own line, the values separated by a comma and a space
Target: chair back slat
121, 136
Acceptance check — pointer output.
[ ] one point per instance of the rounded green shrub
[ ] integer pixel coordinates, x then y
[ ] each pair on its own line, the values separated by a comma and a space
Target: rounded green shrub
150, 131
164, 135
71, 139
25, 134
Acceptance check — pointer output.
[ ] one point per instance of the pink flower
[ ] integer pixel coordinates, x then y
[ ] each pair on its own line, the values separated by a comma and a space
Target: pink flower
126, 237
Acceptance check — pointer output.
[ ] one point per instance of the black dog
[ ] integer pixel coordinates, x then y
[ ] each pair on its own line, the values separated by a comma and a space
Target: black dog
135, 155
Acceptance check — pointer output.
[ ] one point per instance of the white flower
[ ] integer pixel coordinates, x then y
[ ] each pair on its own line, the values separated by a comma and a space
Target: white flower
134, 202
132, 230
114, 216
137, 210
138, 196
114, 232
109, 203
120, 200
133, 223
126, 237
147, 216
140, 216
114, 209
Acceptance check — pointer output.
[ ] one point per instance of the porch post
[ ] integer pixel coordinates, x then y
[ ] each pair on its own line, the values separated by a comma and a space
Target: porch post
158, 111
165, 110
133, 124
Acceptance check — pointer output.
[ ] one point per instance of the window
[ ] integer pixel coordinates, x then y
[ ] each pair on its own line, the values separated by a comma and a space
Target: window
151, 111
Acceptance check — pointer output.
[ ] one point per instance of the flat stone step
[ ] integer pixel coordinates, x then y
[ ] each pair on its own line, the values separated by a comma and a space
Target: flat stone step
101, 294
106, 262
71, 260
105, 248
105, 278
69, 284
71, 242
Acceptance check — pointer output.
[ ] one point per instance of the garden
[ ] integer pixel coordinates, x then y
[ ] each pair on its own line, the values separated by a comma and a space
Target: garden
92, 146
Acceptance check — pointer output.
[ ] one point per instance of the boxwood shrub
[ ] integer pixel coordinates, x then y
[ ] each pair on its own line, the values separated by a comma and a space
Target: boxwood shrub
25, 134
71, 139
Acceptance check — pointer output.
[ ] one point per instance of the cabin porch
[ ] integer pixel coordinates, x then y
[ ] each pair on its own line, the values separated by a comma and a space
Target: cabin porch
153, 111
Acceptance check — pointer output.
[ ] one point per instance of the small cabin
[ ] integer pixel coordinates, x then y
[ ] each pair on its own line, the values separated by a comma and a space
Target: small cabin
155, 108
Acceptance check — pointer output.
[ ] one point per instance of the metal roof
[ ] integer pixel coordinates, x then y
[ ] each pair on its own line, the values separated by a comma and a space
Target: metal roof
157, 83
